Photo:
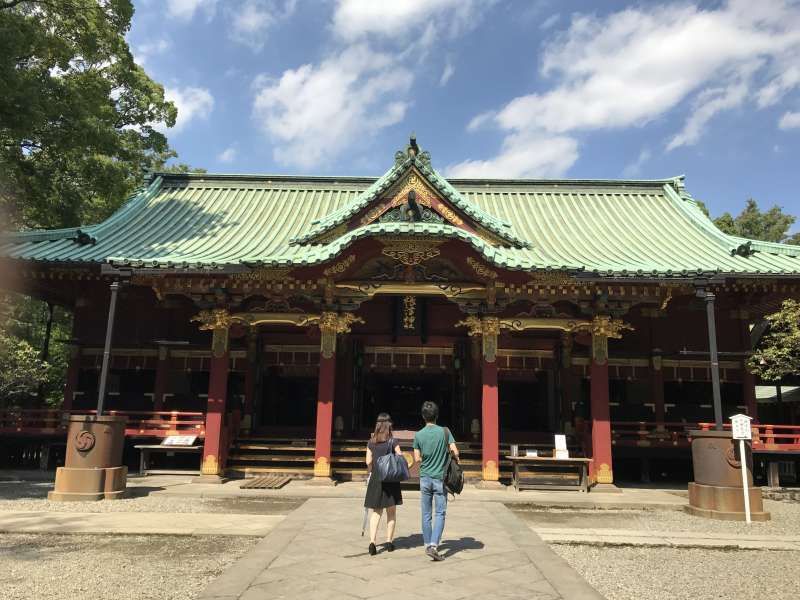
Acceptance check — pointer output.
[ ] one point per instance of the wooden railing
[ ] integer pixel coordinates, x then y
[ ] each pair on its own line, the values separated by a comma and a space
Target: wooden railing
34, 421
766, 437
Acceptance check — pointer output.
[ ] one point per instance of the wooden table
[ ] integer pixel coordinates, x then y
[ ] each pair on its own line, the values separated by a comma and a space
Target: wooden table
146, 450
526, 466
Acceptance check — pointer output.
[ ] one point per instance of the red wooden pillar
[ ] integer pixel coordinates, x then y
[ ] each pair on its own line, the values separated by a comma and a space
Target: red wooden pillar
325, 395
215, 415
73, 372
490, 460
603, 327
162, 375
330, 324
214, 451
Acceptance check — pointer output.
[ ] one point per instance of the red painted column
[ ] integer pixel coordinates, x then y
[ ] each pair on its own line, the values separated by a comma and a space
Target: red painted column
215, 415
601, 423
325, 395
73, 372
162, 374
491, 425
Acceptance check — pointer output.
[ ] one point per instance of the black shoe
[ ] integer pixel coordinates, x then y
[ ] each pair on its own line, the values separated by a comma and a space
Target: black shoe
372, 550
434, 554
389, 547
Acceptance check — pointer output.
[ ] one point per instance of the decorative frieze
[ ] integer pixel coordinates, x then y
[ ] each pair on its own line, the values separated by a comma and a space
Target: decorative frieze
411, 251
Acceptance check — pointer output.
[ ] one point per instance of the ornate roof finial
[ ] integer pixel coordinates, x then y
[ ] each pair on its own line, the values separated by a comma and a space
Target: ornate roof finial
413, 152
413, 149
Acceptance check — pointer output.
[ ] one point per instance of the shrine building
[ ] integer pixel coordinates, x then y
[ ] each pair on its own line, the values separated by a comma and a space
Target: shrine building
276, 316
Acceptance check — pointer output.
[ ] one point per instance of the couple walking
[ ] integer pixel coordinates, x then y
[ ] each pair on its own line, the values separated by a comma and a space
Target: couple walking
431, 453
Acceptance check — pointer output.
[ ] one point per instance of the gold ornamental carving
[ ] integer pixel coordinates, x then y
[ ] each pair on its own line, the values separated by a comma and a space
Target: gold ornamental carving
264, 275
605, 474
340, 267
330, 325
322, 467
602, 328
490, 471
411, 251
550, 278
217, 320
481, 269
409, 312
449, 214
210, 465
488, 328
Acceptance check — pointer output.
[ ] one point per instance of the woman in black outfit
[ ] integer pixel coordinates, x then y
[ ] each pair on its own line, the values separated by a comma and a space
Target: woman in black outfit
382, 494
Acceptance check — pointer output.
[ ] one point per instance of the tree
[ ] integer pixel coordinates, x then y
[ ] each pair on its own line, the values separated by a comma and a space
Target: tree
77, 114
778, 353
770, 226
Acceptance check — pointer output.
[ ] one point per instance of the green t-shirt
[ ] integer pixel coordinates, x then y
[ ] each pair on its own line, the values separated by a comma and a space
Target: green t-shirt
430, 442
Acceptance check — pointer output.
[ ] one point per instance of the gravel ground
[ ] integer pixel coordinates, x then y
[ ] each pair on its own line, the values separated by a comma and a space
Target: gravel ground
26, 495
96, 567
628, 573
785, 520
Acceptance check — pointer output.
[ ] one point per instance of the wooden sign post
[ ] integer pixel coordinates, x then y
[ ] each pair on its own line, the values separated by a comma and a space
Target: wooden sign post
740, 426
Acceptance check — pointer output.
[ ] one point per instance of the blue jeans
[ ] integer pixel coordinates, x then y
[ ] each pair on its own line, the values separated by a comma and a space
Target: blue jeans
432, 492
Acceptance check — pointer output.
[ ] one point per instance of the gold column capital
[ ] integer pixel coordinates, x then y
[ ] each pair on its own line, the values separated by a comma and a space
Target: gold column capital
486, 327
604, 327
330, 325
219, 321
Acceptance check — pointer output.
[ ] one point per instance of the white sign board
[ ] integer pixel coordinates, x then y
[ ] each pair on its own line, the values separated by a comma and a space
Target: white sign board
561, 447
740, 425
179, 440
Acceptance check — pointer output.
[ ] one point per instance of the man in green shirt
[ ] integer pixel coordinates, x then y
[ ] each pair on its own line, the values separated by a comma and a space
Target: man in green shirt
431, 451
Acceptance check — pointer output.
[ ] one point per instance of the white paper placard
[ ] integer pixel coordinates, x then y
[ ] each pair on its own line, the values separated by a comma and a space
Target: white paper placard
179, 440
740, 426
561, 442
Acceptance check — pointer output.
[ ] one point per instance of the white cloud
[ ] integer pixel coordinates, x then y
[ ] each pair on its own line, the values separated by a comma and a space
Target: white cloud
786, 80
145, 51
447, 73
185, 10
550, 21
316, 111
252, 20
708, 104
790, 120
355, 19
228, 155
523, 155
193, 103
631, 67
634, 169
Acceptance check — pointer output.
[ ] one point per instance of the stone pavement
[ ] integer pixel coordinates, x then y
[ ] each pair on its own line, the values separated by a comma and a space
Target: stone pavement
317, 552
626, 498
144, 523
679, 539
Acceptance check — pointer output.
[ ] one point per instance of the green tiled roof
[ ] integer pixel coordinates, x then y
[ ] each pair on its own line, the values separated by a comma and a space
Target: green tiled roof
608, 228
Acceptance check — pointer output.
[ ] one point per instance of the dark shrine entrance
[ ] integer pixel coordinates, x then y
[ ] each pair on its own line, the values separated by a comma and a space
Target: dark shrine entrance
402, 394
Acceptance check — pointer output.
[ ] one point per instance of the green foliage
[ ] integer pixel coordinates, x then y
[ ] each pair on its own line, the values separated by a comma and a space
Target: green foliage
23, 323
76, 112
778, 353
769, 226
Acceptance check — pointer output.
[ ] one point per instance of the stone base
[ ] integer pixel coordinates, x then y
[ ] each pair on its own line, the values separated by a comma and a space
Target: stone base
488, 484
605, 488
76, 485
324, 481
218, 479
724, 502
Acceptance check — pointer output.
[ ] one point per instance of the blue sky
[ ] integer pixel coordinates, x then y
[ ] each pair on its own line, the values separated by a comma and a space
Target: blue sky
514, 88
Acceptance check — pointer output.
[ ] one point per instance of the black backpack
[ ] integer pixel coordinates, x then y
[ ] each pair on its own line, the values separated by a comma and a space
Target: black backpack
453, 475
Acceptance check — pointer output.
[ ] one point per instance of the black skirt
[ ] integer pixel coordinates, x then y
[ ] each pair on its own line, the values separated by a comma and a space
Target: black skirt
381, 494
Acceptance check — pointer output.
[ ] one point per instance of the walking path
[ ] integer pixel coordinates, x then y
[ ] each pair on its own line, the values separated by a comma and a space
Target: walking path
141, 523
317, 552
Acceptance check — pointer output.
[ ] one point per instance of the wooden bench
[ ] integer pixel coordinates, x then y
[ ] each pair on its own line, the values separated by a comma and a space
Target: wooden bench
529, 470
147, 449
